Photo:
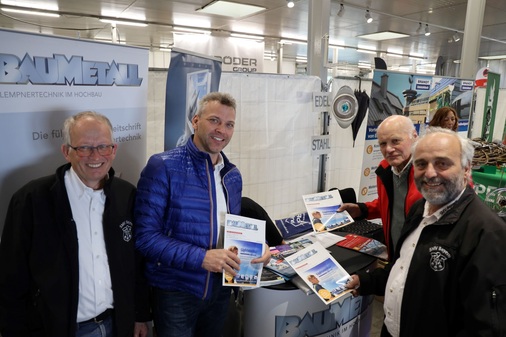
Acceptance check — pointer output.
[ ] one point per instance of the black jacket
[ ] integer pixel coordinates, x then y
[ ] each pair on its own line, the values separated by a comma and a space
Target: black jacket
39, 260
456, 283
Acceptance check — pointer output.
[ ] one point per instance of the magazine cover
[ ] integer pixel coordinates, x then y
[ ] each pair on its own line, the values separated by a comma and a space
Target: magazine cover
294, 226
245, 237
321, 272
277, 263
364, 245
322, 209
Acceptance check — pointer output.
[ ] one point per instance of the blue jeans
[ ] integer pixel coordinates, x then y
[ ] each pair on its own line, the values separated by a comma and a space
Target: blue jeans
92, 329
179, 314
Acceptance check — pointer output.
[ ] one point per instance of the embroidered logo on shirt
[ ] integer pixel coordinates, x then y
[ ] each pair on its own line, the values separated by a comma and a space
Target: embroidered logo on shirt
126, 227
438, 256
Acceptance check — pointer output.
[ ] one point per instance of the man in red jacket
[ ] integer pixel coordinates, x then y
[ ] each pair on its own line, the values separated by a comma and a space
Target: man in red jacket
394, 178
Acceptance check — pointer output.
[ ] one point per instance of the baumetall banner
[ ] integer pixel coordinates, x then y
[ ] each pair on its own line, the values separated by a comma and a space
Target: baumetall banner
45, 79
190, 77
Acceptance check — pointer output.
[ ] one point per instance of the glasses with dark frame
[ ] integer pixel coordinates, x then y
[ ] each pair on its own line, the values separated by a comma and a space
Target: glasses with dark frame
86, 151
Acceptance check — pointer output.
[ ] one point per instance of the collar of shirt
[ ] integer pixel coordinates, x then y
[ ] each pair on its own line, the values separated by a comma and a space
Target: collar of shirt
403, 171
79, 189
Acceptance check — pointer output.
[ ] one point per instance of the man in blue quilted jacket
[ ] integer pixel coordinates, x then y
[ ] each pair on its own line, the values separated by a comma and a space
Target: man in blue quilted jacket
183, 196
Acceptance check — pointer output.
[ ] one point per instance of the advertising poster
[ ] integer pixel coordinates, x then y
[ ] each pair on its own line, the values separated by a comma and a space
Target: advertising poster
190, 77
45, 79
237, 55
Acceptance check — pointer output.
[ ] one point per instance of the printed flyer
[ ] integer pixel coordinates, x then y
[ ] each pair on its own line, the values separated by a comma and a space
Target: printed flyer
364, 245
245, 237
322, 209
321, 272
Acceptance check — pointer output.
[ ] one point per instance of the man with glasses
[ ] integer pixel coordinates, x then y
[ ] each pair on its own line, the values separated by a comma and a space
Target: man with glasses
67, 256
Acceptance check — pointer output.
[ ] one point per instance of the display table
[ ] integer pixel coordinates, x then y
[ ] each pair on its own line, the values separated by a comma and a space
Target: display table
487, 179
285, 310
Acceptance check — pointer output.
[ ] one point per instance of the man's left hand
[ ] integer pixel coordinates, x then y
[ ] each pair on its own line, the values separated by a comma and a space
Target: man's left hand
265, 258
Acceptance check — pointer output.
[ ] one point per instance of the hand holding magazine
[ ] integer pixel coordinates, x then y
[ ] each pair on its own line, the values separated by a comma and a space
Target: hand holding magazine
321, 272
322, 209
245, 237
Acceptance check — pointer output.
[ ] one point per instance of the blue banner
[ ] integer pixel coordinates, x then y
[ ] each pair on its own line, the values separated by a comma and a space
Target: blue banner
190, 77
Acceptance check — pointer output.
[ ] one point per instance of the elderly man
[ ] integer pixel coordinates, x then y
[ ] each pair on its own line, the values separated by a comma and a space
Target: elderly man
447, 278
67, 257
396, 188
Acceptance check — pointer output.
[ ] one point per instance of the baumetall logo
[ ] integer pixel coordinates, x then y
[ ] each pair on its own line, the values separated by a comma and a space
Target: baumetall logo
58, 70
336, 321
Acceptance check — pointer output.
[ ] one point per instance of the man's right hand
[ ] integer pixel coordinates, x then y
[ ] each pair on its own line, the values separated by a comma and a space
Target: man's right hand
221, 260
353, 209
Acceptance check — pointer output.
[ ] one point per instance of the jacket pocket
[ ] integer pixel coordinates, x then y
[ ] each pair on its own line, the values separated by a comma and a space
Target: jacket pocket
498, 301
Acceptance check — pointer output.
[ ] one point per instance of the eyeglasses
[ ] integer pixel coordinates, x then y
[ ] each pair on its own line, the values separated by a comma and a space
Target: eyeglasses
86, 151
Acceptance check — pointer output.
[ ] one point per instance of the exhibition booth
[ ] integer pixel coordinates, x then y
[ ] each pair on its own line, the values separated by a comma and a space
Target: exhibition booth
278, 119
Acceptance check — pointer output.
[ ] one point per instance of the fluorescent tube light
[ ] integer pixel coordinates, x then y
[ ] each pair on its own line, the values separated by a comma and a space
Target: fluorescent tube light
30, 12
123, 22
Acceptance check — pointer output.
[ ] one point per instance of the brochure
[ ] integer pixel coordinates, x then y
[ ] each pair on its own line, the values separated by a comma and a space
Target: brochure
245, 237
325, 238
270, 278
364, 245
322, 209
278, 265
321, 272
294, 226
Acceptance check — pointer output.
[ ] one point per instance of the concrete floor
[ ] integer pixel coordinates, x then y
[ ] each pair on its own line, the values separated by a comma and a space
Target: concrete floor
377, 316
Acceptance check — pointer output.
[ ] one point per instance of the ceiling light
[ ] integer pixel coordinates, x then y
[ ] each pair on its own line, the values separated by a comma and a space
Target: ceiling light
419, 29
38, 4
386, 35
456, 37
496, 57
367, 51
290, 41
364, 65
126, 23
427, 32
368, 17
191, 30
246, 36
230, 9
290, 4
341, 11
30, 12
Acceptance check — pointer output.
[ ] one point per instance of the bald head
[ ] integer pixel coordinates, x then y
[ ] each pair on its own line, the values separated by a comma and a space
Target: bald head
396, 135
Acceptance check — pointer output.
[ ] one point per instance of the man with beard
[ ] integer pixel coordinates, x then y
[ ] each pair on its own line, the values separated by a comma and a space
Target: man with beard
448, 275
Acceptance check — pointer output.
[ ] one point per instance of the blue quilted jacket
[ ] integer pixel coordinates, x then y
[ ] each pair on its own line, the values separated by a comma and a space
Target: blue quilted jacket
176, 221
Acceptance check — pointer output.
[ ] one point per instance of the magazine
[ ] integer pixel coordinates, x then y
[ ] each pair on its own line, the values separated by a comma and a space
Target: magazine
270, 278
245, 237
321, 272
277, 263
322, 210
364, 245
294, 226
